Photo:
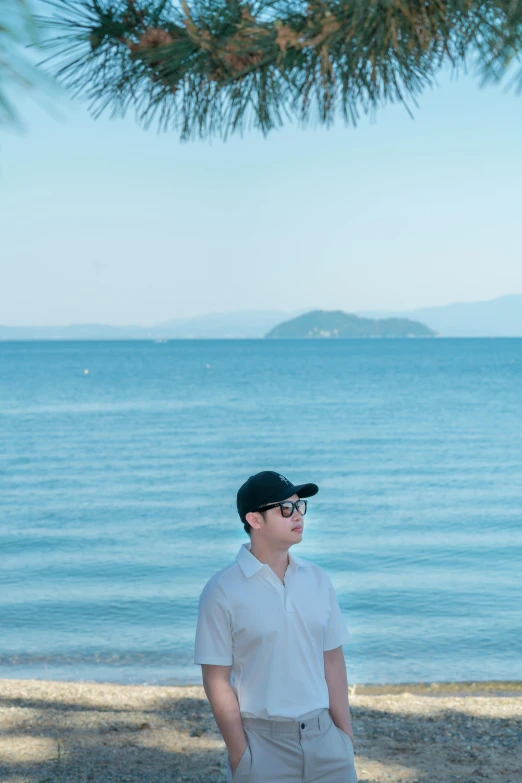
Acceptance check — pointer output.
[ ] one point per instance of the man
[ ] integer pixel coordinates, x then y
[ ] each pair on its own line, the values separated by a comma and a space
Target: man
269, 640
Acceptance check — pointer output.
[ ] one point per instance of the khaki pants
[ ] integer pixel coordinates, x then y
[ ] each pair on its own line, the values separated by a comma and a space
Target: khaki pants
304, 750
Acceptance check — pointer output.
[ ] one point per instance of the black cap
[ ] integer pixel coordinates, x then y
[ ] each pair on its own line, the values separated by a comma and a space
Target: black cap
269, 487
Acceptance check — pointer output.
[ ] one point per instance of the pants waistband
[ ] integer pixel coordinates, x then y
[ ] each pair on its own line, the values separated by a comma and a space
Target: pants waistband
296, 726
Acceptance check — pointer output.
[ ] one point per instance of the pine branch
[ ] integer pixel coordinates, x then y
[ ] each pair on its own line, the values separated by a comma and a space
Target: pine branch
17, 29
219, 66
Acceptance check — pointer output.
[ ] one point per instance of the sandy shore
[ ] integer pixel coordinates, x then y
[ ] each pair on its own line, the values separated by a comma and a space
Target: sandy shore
102, 733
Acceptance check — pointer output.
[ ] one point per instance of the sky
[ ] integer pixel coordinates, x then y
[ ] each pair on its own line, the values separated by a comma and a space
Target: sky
103, 221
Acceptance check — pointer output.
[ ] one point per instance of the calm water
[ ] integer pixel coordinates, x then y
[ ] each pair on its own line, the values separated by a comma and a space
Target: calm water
118, 498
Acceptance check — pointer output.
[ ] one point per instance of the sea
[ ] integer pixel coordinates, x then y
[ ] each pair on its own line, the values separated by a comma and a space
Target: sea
119, 467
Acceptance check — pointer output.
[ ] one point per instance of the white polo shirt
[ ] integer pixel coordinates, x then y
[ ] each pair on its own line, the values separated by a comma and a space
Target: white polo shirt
273, 635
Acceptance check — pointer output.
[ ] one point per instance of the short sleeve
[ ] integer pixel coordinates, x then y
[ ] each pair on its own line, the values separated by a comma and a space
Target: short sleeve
213, 643
336, 633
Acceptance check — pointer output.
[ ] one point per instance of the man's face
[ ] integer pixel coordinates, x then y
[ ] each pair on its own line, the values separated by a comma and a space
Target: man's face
277, 527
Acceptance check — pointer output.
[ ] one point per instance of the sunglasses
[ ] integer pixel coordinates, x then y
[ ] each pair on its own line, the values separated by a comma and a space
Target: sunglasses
287, 507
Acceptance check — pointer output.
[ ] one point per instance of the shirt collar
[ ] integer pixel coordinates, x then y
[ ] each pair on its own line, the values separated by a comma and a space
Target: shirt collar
250, 565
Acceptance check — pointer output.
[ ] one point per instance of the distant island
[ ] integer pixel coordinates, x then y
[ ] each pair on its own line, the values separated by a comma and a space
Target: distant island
335, 324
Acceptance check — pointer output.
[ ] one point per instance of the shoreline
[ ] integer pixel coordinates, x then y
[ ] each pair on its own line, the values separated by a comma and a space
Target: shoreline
94, 732
425, 688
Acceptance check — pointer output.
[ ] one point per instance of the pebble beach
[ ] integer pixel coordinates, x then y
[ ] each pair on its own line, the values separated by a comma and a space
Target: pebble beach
86, 732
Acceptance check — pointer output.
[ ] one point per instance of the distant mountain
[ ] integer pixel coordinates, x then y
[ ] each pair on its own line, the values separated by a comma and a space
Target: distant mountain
500, 317
338, 325
242, 323
72, 332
